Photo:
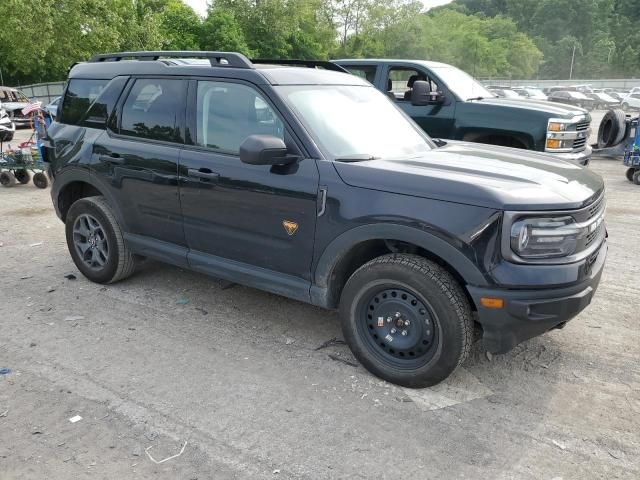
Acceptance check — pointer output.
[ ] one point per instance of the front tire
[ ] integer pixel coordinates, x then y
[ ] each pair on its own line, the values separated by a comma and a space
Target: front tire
406, 319
96, 242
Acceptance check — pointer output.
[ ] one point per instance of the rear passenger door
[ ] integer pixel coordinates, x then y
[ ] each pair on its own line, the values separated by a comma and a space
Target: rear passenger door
137, 160
234, 213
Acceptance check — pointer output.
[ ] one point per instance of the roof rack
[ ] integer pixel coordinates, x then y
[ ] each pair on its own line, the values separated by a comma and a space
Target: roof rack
302, 63
217, 59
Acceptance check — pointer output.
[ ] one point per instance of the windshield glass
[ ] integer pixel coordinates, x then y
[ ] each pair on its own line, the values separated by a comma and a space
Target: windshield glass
355, 121
510, 94
579, 95
461, 83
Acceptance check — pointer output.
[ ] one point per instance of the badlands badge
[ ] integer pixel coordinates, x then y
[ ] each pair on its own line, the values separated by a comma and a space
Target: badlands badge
290, 227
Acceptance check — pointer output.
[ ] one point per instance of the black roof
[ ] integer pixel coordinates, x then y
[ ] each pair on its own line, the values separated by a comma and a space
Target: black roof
212, 64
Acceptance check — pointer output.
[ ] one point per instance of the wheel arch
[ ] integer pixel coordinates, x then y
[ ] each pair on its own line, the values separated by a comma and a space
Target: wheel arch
357, 246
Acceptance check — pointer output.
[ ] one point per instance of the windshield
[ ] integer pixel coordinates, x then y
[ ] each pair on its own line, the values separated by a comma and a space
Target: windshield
511, 94
12, 96
461, 83
355, 121
578, 95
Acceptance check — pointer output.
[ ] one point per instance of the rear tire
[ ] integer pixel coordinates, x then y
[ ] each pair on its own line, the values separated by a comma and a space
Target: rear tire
96, 242
7, 179
629, 174
389, 291
636, 177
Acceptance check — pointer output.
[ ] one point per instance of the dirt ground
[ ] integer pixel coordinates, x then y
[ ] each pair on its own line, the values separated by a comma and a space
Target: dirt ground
254, 386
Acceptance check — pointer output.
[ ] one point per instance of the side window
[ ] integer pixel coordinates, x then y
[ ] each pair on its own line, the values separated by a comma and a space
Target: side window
368, 72
102, 106
400, 82
153, 110
78, 98
227, 113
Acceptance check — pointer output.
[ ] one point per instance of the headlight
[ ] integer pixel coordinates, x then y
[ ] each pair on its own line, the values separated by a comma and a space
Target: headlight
542, 237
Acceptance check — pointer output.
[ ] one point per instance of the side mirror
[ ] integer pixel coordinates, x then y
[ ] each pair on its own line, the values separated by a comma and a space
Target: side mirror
422, 95
265, 150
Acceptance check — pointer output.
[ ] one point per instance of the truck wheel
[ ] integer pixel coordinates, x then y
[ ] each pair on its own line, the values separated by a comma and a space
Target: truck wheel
7, 179
96, 243
629, 174
22, 176
406, 319
636, 177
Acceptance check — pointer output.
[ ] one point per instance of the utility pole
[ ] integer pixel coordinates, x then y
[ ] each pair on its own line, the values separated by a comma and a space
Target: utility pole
573, 55
1, 79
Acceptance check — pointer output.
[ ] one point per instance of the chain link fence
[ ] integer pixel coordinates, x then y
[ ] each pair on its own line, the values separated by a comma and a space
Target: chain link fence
43, 92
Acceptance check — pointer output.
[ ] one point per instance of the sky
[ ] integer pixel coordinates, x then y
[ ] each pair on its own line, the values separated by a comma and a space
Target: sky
200, 6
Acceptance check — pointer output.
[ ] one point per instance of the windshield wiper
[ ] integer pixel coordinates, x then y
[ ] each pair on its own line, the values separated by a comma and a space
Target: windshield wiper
474, 98
356, 157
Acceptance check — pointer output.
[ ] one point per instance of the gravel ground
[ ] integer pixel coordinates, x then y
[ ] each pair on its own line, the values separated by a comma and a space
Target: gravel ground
256, 388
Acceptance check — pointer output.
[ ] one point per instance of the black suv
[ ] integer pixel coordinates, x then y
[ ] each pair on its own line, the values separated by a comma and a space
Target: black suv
310, 184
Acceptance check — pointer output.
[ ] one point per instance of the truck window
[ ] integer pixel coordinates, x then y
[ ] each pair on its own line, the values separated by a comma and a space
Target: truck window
368, 72
400, 81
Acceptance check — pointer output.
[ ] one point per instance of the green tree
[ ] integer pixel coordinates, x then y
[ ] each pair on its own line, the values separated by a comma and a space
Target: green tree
179, 27
221, 32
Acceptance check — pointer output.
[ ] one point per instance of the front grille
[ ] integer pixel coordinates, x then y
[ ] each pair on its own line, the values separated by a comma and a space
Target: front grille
581, 127
594, 208
579, 142
593, 235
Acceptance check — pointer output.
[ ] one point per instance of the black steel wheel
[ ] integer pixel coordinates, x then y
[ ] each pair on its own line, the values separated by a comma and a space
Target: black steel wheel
22, 176
7, 179
406, 319
400, 326
96, 242
629, 173
41, 180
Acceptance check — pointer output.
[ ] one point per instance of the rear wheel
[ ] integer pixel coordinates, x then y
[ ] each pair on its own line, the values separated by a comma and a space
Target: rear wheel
7, 179
636, 177
96, 243
629, 174
406, 319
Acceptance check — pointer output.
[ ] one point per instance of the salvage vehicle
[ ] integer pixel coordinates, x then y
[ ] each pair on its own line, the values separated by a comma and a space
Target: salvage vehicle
631, 102
7, 127
13, 101
572, 97
461, 108
311, 184
602, 101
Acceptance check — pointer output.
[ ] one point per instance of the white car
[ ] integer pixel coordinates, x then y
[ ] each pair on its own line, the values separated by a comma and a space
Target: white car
7, 127
631, 101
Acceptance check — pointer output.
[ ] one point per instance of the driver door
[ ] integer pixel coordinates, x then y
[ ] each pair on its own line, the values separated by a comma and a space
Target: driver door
237, 217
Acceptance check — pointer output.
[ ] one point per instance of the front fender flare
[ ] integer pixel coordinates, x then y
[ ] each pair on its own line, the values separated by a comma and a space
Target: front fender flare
334, 252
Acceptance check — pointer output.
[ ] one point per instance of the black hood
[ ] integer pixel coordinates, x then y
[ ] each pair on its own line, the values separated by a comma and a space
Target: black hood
481, 175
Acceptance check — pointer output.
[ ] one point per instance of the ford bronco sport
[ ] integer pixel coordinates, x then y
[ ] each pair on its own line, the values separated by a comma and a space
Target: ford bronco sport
310, 184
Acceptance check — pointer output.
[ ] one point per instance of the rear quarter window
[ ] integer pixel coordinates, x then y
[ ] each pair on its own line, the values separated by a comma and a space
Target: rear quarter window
79, 96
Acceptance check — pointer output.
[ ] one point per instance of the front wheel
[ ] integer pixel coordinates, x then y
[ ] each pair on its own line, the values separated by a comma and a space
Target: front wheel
406, 319
96, 242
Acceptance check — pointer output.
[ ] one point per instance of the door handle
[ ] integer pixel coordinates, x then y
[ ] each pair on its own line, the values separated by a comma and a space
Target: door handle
203, 173
113, 158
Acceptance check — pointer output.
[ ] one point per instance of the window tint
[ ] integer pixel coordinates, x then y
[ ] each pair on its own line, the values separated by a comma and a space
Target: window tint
368, 72
153, 110
102, 106
78, 98
228, 113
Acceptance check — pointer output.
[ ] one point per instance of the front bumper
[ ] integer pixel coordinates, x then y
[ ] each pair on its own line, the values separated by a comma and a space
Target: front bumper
529, 313
583, 157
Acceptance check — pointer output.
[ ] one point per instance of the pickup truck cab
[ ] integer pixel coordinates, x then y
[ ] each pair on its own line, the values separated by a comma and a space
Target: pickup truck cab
311, 184
463, 109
